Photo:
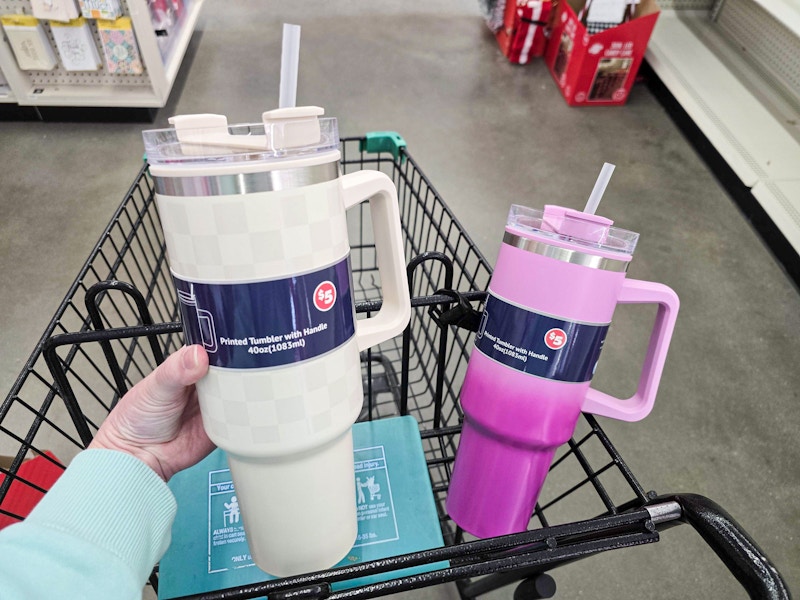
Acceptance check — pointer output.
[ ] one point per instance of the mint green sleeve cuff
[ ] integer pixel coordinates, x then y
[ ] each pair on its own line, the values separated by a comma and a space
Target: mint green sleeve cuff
115, 502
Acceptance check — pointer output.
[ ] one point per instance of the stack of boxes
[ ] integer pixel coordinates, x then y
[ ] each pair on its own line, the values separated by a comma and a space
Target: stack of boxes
593, 48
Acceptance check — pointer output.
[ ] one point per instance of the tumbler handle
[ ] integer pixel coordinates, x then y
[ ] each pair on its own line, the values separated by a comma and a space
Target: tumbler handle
640, 404
395, 311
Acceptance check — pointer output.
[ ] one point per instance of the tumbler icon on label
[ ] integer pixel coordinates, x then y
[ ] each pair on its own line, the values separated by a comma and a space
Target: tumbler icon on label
482, 326
198, 321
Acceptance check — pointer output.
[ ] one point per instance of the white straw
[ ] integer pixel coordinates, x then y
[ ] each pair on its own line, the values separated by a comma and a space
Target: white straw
599, 188
290, 59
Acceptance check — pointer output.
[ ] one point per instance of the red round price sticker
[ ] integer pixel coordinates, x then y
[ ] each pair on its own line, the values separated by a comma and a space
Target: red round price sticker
555, 338
325, 296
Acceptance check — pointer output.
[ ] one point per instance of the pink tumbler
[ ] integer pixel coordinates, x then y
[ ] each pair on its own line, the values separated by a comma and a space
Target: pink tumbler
559, 276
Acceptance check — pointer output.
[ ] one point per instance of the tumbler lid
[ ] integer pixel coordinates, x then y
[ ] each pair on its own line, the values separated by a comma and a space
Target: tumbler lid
284, 133
572, 227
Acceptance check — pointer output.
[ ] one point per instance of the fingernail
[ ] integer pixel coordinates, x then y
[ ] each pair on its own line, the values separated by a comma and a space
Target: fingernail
190, 357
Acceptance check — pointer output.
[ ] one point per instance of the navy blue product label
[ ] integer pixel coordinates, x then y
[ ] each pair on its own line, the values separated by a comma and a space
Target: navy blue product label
538, 344
269, 323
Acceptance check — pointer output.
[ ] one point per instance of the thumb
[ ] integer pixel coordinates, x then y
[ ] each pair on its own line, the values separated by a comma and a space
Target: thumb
182, 369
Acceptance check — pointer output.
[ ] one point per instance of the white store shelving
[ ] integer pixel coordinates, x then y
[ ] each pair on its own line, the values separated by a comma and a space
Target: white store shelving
741, 93
59, 87
786, 12
6, 95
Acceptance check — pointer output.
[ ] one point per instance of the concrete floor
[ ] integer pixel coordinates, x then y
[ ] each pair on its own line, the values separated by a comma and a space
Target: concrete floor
488, 134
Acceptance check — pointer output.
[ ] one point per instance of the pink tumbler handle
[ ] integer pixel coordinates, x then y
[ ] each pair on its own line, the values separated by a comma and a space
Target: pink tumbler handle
639, 405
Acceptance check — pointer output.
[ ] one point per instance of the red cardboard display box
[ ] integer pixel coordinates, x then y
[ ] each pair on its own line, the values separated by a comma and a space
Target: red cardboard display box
25, 491
523, 34
599, 69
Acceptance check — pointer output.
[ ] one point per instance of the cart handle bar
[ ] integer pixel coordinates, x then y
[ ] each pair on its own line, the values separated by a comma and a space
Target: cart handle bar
744, 559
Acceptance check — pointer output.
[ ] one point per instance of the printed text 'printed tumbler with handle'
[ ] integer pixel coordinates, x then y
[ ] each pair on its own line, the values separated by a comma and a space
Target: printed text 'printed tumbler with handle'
254, 223
559, 276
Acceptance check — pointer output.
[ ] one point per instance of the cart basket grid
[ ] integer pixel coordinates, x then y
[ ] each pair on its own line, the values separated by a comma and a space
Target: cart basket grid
120, 318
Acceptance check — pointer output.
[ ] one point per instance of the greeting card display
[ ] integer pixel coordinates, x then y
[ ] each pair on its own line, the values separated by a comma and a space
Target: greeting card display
119, 46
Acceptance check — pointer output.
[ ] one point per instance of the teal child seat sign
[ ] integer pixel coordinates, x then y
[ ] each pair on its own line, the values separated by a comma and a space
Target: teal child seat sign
394, 502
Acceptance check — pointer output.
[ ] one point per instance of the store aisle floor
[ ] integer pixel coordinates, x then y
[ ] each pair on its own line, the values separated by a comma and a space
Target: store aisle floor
488, 134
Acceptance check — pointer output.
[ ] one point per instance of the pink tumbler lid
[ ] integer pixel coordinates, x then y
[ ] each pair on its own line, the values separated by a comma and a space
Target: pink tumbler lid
572, 226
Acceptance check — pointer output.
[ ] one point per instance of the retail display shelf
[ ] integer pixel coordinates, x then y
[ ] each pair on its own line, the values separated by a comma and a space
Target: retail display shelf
164, 71
752, 126
784, 11
105, 96
780, 200
6, 95
150, 89
178, 50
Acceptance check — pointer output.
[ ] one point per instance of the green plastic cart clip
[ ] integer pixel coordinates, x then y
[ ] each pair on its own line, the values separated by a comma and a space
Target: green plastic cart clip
383, 141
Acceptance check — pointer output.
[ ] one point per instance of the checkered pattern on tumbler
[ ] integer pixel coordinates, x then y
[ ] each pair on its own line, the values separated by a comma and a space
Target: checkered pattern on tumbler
249, 411
265, 235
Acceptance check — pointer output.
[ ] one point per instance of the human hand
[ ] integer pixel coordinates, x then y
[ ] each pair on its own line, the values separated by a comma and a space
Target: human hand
158, 420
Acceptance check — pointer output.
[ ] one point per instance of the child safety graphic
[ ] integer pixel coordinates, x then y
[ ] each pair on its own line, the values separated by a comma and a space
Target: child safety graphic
232, 513
373, 488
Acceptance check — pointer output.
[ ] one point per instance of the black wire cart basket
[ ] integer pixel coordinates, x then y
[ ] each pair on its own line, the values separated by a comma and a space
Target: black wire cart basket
120, 318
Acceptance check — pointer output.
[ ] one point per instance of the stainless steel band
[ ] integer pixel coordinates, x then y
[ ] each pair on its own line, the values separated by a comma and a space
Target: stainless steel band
246, 183
566, 255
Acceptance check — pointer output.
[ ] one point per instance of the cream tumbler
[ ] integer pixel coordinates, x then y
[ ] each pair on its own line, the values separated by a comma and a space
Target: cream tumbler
256, 235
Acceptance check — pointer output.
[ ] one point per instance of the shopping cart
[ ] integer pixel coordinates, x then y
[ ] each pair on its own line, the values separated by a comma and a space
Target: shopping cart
119, 319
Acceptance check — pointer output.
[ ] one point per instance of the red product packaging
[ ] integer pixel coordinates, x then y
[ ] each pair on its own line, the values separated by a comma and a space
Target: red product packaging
161, 14
523, 34
34, 477
177, 8
598, 69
